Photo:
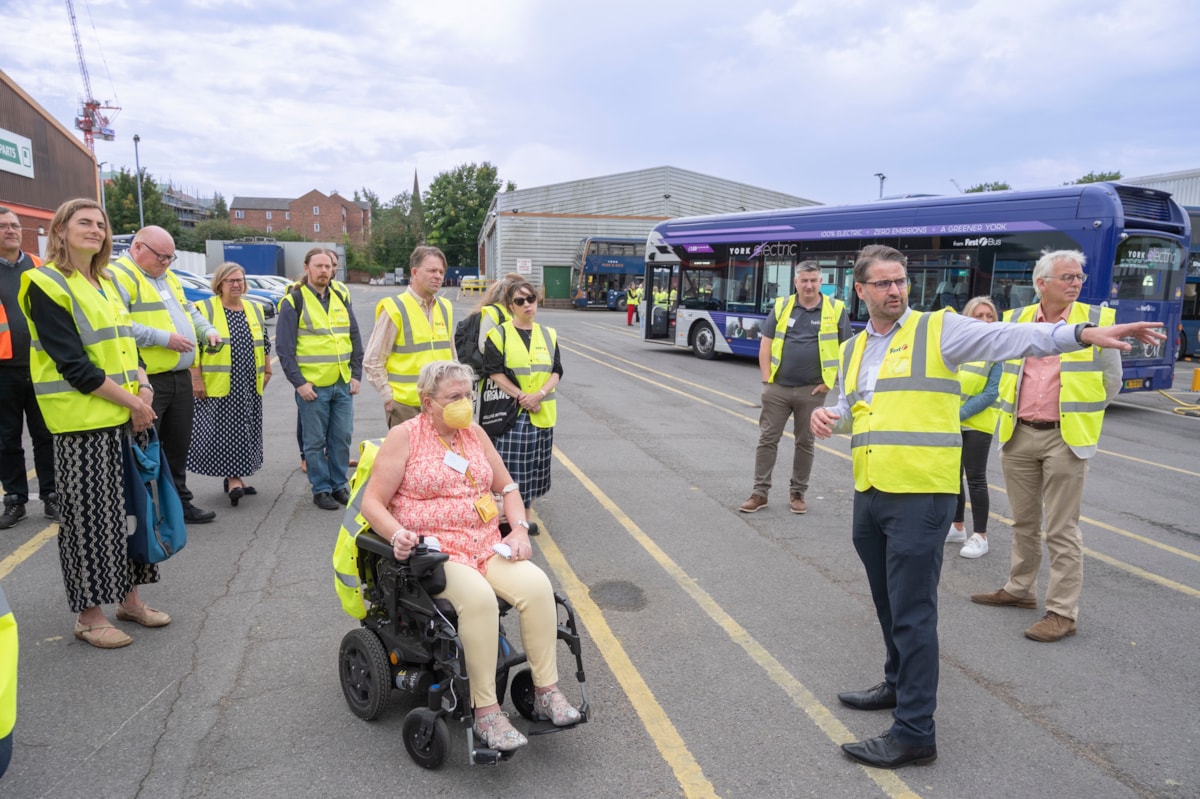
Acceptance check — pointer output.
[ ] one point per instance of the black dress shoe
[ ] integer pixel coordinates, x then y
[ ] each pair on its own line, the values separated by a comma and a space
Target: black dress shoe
52, 506
194, 515
325, 501
886, 752
342, 495
12, 514
881, 697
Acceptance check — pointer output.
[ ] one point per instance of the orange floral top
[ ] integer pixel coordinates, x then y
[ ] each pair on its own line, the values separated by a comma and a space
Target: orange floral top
434, 499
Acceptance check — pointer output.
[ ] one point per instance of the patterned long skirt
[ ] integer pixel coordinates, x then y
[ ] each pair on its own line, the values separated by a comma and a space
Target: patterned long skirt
92, 544
526, 451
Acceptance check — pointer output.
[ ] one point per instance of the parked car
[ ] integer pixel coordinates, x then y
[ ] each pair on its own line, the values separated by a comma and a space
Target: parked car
196, 288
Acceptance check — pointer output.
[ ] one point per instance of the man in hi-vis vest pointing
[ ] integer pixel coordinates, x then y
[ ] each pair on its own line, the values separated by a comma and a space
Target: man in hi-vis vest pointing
1051, 410
798, 358
899, 400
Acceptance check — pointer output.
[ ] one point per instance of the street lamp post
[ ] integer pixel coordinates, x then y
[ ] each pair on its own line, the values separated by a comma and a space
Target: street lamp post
882, 177
138, 165
100, 174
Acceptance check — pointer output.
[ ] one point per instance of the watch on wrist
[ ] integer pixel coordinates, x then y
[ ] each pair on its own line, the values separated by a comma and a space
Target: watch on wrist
147, 386
523, 523
1079, 328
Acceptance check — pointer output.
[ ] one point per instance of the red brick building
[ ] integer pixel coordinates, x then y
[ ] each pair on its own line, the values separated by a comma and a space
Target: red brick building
316, 216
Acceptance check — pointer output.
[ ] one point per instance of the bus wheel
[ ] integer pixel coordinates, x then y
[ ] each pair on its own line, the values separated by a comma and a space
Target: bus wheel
704, 341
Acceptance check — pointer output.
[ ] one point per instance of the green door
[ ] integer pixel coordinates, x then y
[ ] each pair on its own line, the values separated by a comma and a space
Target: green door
557, 280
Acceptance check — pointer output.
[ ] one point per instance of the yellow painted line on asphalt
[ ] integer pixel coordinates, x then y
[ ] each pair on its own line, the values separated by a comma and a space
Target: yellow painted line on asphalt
1149, 463
1127, 567
26, 550
668, 740
892, 785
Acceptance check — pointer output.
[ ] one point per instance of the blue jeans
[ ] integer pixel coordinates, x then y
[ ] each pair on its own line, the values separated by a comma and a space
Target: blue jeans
327, 421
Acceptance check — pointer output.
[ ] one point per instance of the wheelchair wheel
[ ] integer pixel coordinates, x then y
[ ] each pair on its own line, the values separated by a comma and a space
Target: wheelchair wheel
425, 737
522, 693
366, 677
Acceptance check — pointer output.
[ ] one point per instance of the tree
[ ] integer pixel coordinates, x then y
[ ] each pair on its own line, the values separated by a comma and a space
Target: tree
1096, 177
220, 208
395, 233
996, 185
455, 207
121, 201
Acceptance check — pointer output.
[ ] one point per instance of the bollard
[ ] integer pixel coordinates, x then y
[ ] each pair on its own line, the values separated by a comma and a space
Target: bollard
1196, 380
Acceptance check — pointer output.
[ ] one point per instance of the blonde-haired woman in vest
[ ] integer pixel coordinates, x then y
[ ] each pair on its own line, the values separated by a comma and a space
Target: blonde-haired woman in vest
522, 359
91, 386
227, 387
979, 414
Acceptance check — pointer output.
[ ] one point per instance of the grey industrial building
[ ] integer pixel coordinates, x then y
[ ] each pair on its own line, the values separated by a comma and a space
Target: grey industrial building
540, 228
1184, 186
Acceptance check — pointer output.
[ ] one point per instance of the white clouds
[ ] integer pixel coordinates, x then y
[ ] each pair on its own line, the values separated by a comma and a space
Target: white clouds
261, 97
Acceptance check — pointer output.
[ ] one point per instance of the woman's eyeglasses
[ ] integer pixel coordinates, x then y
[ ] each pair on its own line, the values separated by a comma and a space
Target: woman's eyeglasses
521, 301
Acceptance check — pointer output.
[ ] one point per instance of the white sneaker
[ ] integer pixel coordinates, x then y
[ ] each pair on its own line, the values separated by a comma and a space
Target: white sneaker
956, 536
976, 547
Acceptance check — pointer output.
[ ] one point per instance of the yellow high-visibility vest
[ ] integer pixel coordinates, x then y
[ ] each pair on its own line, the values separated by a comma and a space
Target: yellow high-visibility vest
215, 367
106, 332
827, 336
323, 345
8, 667
419, 340
347, 581
1082, 398
147, 308
532, 367
972, 377
907, 439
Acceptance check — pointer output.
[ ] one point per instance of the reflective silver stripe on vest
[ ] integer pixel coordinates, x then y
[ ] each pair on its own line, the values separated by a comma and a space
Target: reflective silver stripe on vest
893, 438
855, 395
1082, 407
396, 378
213, 368
87, 334
405, 349
348, 580
62, 386
917, 379
318, 359
1078, 366
4, 327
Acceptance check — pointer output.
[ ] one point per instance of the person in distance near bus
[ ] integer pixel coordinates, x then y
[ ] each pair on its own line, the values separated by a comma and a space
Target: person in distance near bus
798, 358
899, 399
413, 328
1051, 411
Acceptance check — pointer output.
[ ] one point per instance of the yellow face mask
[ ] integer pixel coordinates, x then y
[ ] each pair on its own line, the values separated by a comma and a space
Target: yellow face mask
457, 414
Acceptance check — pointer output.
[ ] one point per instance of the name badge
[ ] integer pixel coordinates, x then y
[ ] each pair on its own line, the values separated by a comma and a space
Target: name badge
791, 321
456, 462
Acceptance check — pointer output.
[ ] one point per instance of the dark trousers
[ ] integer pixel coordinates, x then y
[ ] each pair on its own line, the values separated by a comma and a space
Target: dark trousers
18, 408
975, 449
900, 539
173, 404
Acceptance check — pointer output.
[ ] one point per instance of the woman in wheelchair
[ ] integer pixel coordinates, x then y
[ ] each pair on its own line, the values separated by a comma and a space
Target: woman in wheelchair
435, 475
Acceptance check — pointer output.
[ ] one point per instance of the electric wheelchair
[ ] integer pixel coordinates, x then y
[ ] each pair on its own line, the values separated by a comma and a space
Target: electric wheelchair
408, 641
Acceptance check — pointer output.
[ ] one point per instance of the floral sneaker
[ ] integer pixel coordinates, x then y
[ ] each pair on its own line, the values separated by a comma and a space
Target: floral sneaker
498, 733
554, 706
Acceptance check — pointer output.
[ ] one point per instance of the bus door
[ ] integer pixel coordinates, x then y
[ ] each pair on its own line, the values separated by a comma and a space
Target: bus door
660, 319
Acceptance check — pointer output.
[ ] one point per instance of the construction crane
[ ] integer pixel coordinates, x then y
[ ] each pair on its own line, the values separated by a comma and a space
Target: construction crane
89, 118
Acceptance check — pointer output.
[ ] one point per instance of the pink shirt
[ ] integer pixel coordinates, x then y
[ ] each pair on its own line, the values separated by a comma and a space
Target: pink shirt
437, 500
1040, 382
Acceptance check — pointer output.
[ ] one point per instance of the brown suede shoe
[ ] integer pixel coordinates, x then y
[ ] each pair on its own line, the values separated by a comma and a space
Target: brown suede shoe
754, 503
1051, 628
797, 504
1002, 597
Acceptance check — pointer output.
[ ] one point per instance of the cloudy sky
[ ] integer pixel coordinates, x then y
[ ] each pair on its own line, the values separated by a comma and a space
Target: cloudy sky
808, 97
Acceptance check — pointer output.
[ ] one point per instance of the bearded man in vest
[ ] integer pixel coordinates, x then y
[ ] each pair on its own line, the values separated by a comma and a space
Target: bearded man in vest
798, 359
166, 327
412, 329
18, 402
320, 352
899, 399
1051, 411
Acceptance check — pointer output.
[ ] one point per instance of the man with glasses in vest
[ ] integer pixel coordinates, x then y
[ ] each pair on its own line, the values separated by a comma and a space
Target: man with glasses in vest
18, 402
798, 359
1051, 411
412, 329
899, 400
166, 327
320, 352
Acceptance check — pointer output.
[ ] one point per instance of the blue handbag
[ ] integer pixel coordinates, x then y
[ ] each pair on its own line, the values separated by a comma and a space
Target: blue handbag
152, 504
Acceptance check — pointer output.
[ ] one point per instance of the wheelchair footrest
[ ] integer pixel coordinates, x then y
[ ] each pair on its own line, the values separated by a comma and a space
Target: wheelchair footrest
547, 727
490, 757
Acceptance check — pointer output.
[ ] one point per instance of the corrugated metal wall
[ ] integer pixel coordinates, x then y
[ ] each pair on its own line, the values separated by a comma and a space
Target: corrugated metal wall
546, 223
1184, 186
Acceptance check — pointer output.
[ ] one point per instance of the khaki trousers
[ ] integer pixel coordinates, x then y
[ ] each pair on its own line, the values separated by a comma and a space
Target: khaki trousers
1044, 477
400, 414
780, 403
521, 584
